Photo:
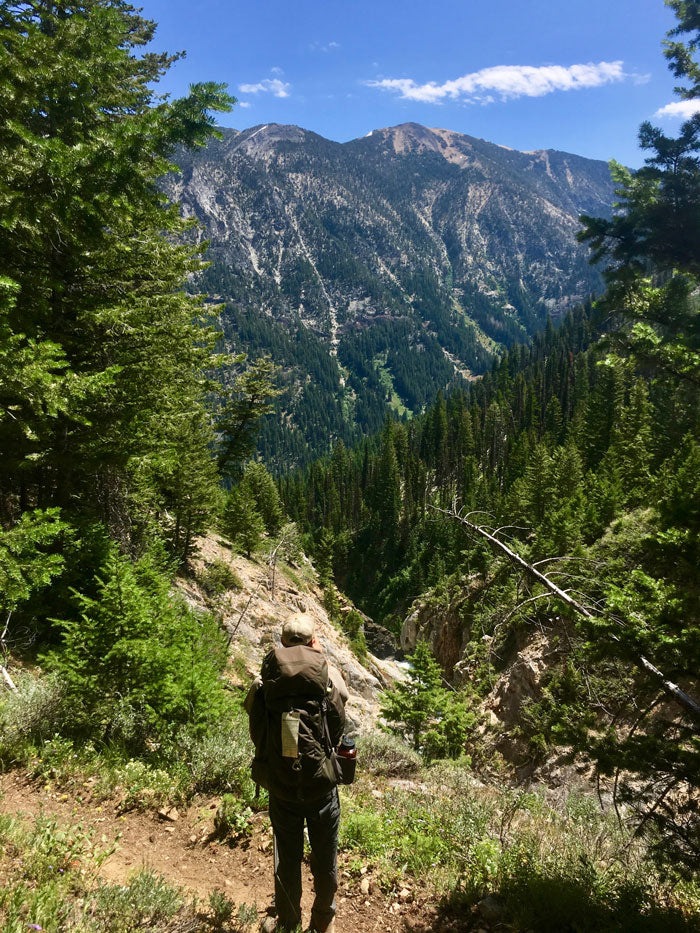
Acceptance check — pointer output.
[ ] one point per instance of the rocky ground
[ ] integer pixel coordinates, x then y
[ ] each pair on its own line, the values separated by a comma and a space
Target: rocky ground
181, 846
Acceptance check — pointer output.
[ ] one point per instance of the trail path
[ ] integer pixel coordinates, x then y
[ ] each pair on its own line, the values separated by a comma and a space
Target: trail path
186, 855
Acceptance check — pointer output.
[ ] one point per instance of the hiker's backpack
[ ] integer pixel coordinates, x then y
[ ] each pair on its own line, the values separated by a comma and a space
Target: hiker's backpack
299, 720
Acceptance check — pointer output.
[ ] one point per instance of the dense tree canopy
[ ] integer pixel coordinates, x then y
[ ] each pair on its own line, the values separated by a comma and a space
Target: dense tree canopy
102, 356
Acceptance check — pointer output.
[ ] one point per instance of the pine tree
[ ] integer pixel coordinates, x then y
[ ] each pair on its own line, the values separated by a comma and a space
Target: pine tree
261, 489
241, 522
249, 399
653, 245
424, 711
112, 352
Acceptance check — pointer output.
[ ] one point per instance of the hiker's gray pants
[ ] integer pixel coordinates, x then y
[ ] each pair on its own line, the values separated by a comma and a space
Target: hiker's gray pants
322, 818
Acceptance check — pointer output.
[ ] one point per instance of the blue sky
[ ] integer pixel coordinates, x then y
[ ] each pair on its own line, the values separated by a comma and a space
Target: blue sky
574, 75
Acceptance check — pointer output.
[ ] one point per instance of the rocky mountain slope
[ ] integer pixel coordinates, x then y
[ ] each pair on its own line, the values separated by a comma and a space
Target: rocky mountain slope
385, 267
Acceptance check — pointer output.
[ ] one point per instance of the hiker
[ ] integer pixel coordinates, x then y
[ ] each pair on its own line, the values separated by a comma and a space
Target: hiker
296, 712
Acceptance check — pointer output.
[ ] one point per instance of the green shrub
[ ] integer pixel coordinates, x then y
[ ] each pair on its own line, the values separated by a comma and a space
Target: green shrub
353, 626
221, 908
144, 785
32, 714
136, 664
216, 763
383, 754
145, 902
218, 577
219, 759
233, 818
363, 830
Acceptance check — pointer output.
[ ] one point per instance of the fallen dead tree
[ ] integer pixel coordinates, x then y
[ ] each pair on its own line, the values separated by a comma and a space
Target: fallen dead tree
691, 707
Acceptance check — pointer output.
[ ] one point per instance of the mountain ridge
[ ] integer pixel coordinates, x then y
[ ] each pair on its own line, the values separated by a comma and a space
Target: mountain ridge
399, 261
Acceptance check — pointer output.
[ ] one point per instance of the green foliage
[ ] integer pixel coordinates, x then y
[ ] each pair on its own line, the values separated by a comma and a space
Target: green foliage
221, 908
384, 754
363, 831
217, 760
545, 867
29, 556
434, 719
233, 818
249, 400
135, 662
259, 486
147, 901
241, 522
34, 712
354, 627
213, 761
218, 578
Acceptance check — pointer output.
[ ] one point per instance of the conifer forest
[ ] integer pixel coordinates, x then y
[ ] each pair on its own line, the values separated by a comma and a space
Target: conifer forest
488, 498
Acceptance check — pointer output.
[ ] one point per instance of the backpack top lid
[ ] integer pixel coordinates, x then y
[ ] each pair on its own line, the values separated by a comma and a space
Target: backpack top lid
297, 671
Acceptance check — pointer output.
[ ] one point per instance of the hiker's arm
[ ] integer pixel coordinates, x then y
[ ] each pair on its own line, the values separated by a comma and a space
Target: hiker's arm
254, 705
337, 680
336, 714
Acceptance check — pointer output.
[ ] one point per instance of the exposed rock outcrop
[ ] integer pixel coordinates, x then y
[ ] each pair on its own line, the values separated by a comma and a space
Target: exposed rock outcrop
444, 623
254, 618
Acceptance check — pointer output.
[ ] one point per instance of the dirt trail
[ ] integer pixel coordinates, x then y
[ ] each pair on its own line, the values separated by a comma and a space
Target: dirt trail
186, 855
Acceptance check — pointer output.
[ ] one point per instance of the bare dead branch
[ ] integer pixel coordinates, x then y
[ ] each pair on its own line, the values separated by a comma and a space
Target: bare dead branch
7, 625
8, 680
532, 599
672, 689
516, 527
567, 559
240, 617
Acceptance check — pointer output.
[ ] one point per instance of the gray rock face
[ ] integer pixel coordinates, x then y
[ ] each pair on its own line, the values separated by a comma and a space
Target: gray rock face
379, 640
337, 232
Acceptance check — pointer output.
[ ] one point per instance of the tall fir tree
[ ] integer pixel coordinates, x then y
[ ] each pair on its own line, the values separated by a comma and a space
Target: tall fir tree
112, 351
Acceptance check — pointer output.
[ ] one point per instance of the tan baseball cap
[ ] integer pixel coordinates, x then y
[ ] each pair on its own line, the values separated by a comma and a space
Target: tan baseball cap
298, 630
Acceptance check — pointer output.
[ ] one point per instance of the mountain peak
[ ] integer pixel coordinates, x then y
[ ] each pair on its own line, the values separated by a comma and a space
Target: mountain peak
257, 140
415, 138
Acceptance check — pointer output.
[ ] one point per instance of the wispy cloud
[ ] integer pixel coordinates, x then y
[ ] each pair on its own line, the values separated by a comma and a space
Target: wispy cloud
684, 109
244, 103
267, 86
506, 82
321, 47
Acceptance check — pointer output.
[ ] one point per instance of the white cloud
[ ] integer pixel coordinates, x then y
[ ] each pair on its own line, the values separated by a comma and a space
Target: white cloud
276, 70
320, 47
506, 82
267, 86
684, 109
244, 103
